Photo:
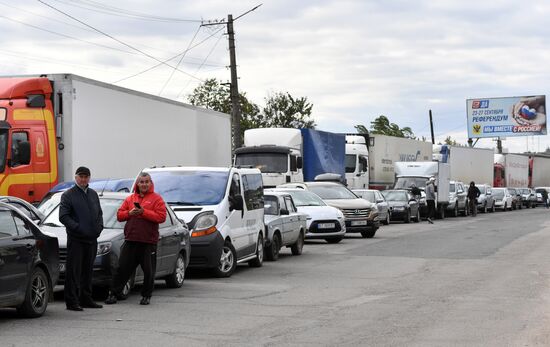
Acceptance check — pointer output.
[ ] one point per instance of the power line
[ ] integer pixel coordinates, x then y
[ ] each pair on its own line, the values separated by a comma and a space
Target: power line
179, 62
120, 12
117, 40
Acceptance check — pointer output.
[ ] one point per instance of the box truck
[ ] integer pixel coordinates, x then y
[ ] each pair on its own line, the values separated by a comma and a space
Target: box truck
467, 163
286, 155
357, 161
51, 124
417, 173
511, 170
539, 169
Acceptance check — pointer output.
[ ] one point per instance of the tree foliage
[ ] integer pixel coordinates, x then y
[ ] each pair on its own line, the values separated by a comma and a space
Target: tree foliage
282, 110
383, 126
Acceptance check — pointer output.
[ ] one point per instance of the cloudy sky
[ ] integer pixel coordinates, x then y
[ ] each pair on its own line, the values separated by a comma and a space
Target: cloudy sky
353, 59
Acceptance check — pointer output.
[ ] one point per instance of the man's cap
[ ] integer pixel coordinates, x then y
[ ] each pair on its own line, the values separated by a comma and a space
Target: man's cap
82, 170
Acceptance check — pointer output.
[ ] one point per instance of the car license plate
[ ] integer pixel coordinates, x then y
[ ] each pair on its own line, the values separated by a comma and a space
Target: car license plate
61, 267
358, 222
326, 225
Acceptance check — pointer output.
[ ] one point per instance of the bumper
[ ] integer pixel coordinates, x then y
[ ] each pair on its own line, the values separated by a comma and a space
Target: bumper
358, 225
314, 232
206, 251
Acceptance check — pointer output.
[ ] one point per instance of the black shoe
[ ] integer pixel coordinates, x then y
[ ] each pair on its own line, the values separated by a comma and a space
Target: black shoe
76, 307
430, 221
91, 304
111, 299
145, 300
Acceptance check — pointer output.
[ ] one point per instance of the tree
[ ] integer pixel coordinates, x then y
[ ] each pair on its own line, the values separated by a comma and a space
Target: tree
450, 142
382, 125
282, 110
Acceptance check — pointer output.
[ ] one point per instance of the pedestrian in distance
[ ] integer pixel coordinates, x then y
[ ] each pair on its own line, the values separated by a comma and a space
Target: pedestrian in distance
142, 211
430, 199
473, 194
81, 214
544, 194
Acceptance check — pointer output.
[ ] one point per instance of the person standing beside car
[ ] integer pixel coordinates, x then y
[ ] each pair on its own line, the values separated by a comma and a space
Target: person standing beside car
142, 211
473, 194
430, 199
544, 195
81, 214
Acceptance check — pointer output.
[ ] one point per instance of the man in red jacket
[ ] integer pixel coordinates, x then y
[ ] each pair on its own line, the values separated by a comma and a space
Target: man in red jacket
143, 211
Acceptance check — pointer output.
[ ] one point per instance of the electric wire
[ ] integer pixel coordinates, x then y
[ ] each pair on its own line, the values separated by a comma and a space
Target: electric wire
117, 40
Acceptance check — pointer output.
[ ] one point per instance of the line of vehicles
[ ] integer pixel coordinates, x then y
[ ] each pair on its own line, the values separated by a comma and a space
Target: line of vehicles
285, 185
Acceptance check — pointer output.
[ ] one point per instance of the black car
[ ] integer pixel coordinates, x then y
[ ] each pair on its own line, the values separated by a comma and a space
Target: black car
403, 205
173, 248
29, 263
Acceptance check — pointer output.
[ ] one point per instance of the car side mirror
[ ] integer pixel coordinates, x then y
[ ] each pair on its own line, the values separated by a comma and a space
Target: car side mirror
236, 203
284, 211
379, 201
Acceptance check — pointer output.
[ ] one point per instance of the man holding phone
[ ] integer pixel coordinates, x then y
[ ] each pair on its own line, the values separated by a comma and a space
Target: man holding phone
142, 211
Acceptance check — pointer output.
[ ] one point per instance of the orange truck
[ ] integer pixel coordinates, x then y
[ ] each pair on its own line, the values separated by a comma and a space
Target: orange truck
51, 124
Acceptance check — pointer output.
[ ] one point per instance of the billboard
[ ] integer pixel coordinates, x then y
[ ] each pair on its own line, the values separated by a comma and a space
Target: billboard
503, 117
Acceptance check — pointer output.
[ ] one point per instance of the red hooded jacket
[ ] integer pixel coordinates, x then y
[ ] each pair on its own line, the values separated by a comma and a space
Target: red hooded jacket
144, 227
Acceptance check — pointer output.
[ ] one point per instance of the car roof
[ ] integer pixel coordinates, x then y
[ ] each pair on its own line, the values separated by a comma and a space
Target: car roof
276, 193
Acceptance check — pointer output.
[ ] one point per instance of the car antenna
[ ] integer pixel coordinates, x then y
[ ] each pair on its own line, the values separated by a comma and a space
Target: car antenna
105, 185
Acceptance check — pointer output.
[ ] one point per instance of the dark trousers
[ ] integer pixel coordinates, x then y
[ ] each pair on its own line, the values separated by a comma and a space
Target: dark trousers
473, 207
78, 273
133, 254
431, 208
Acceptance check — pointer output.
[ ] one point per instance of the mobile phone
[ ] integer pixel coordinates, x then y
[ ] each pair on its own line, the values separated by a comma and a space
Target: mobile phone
137, 205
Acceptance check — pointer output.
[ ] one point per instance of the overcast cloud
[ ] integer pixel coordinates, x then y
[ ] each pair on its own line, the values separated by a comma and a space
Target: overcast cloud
354, 59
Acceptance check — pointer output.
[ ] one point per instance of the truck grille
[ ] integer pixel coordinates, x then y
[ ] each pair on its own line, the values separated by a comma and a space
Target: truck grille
356, 213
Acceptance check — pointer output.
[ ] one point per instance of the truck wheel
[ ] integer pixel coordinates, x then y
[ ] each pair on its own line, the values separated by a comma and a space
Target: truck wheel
36, 296
407, 218
334, 239
228, 261
259, 260
297, 247
417, 218
272, 251
441, 213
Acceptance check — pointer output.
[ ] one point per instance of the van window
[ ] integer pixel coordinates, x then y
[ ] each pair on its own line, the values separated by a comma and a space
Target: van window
253, 191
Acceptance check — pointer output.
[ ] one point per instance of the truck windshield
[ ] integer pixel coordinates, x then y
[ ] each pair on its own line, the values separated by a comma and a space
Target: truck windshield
408, 182
351, 160
191, 187
3, 148
266, 162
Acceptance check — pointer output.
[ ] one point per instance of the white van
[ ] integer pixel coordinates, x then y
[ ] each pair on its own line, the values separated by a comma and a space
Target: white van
224, 209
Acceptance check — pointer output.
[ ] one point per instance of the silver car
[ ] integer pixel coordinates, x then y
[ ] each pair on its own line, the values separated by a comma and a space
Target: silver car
458, 199
374, 196
485, 201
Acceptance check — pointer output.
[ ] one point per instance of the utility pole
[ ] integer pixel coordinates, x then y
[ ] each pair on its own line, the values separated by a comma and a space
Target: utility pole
432, 128
234, 88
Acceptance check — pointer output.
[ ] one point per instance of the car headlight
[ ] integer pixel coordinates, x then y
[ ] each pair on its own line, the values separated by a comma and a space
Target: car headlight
205, 225
103, 248
374, 209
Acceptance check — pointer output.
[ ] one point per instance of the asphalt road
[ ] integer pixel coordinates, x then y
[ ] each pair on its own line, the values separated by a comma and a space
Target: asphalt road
463, 281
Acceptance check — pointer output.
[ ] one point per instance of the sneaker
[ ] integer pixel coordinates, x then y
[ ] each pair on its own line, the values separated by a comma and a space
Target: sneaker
111, 299
145, 300
430, 221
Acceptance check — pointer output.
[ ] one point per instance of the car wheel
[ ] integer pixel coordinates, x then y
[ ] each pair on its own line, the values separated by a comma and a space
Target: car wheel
272, 251
368, 234
127, 288
407, 218
228, 261
484, 208
387, 220
417, 218
455, 210
493, 208
176, 278
36, 296
297, 247
334, 239
259, 260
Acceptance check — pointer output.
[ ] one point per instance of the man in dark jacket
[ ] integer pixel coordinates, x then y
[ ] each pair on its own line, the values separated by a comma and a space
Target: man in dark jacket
473, 194
82, 216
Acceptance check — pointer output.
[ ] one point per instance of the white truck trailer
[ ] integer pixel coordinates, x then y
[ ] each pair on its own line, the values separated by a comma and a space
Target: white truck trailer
467, 163
511, 170
385, 151
540, 171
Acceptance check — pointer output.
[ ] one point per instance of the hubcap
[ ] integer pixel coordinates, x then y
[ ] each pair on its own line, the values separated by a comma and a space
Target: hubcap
38, 292
180, 270
226, 260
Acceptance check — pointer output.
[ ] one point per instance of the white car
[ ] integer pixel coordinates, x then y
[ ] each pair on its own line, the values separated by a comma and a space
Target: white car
503, 198
323, 221
284, 225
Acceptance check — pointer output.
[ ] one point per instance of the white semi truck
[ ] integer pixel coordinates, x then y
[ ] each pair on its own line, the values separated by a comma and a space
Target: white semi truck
467, 163
357, 161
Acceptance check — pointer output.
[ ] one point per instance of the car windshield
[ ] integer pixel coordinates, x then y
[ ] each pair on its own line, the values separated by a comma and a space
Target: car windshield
367, 195
525, 191
394, 195
191, 187
305, 198
452, 188
108, 206
408, 182
271, 205
481, 189
332, 192
266, 162
3, 148
498, 193
351, 160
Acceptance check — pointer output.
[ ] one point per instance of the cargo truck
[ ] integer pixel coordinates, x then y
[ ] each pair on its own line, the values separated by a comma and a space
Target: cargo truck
51, 124
417, 173
357, 161
385, 151
539, 169
467, 163
286, 155
511, 170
